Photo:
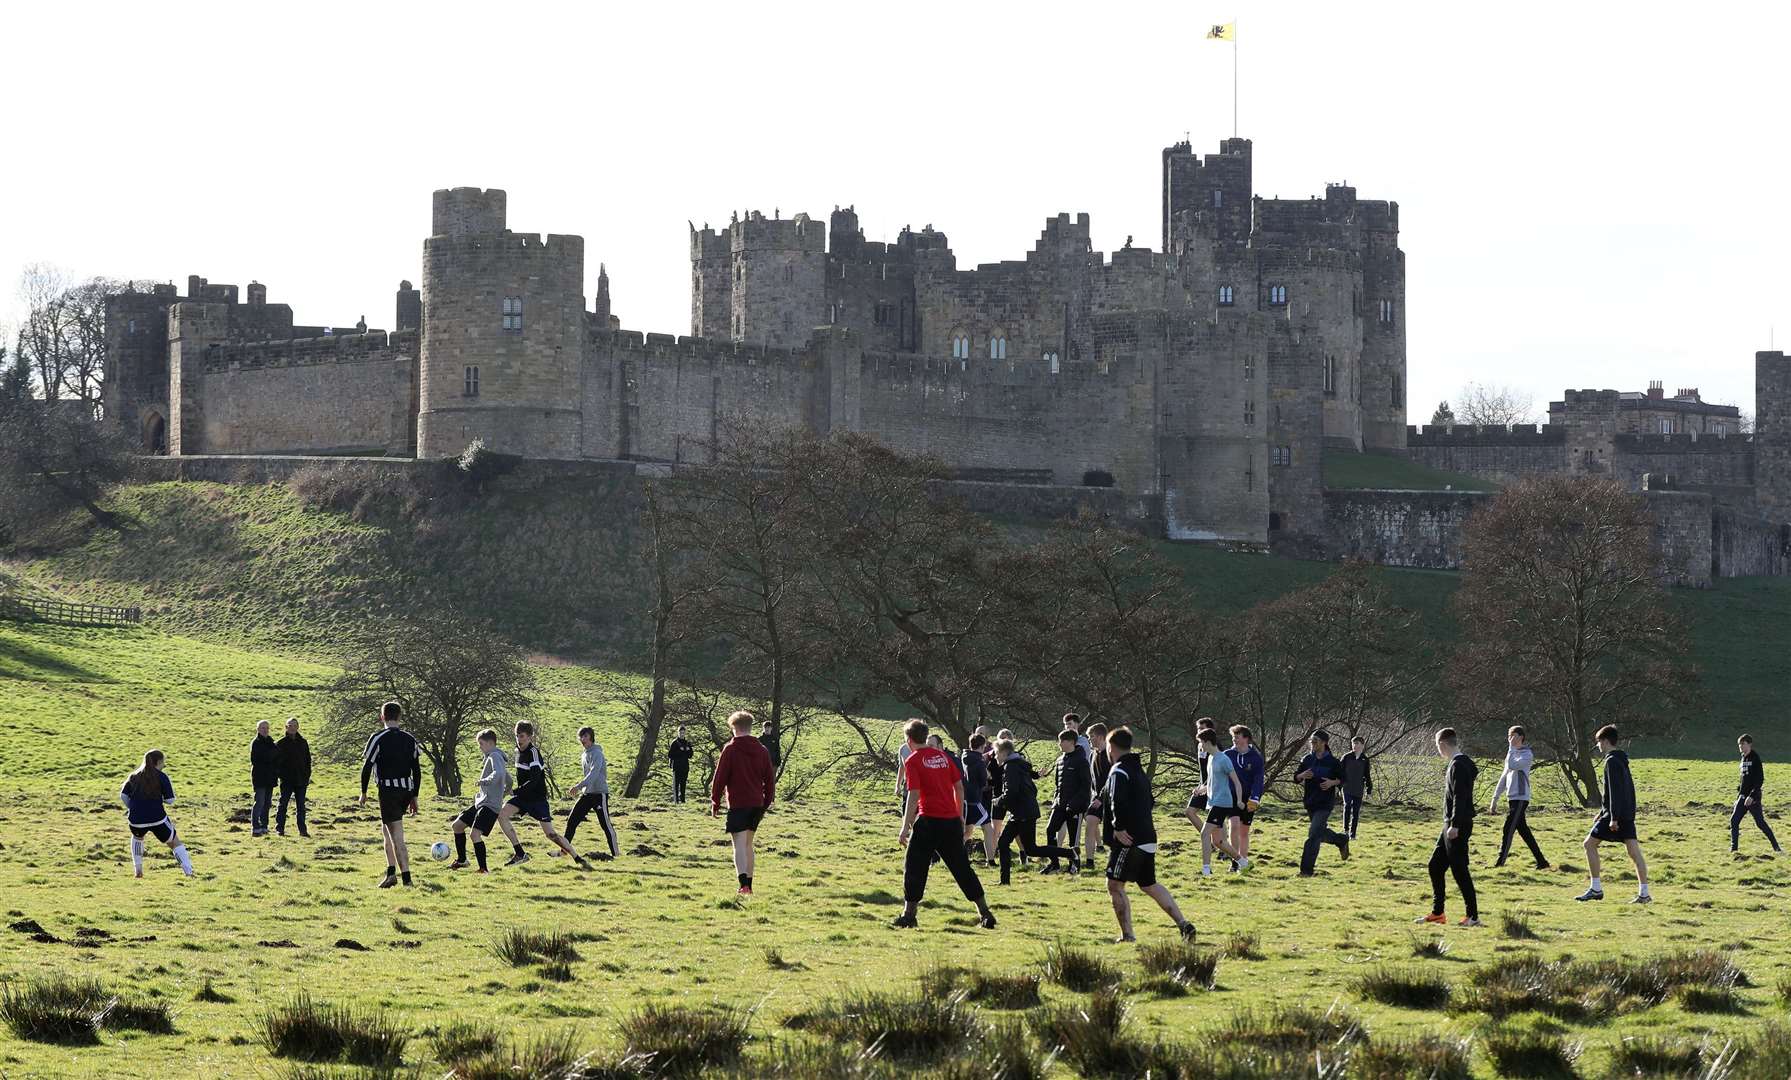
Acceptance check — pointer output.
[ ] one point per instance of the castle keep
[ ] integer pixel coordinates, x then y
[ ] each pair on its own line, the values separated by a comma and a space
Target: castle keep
1204, 379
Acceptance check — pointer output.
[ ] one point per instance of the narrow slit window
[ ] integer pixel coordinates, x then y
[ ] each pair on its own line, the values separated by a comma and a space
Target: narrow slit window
472, 380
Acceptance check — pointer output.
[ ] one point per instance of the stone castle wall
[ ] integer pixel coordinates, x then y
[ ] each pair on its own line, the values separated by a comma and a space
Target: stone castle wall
347, 393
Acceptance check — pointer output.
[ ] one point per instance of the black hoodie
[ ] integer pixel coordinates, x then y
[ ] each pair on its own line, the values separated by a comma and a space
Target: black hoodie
1129, 790
264, 765
1619, 794
1074, 779
1019, 794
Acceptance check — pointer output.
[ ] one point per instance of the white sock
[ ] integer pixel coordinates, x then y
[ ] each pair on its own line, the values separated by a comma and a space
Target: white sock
1597, 884
185, 860
137, 853
1642, 889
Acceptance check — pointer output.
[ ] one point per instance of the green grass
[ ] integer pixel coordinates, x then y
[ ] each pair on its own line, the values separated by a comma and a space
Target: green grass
655, 933
1351, 471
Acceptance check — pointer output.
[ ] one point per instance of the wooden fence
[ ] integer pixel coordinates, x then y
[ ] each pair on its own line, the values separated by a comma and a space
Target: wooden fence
27, 609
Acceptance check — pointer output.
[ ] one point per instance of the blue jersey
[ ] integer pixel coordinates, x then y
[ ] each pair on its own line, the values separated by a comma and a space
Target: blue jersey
145, 811
1250, 771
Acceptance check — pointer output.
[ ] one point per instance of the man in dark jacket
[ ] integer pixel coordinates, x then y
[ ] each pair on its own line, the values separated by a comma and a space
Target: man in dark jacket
1616, 820
1749, 796
679, 754
293, 756
1451, 854
1074, 774
264, 773
1358, 784
1020, 803
1320, 775
1134, 854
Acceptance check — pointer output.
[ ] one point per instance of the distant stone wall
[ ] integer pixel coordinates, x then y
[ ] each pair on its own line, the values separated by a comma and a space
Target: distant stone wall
1682, 535
1744, 544
1504, 455
1716, 460
338, 394
1401, 528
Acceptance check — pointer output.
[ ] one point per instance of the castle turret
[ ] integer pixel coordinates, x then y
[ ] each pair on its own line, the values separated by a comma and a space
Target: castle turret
1216, 187
779, 279
600, 309
409, 308
504, 334
711, 284
1772, 435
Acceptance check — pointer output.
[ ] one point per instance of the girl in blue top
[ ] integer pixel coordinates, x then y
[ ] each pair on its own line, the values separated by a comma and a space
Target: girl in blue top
1224, 800
147, 794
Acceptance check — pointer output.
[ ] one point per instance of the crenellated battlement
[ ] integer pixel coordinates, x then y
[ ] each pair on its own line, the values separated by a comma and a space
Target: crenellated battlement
706, 350
1490, 435
488, 244
358, 348
799, 233
1631, 443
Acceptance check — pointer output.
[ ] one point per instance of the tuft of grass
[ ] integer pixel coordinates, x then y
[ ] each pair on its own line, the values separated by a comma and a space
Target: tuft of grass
139, 1014
1161, 986
1077, 969
774, 959
549, 1057
1784, 990
309, 1030
1656, 1056
1531, 1055
1431, 947
1516, 927
557, 971
1090, 1035
520, 948
996, 991
1181, 961
908, 1029
1292, 1028
1427, 1057
1578, 990
57, 1009
1708, 999
463, 1040
1406, 989
1243, 945
682, 1041
209, 993
1763, 1055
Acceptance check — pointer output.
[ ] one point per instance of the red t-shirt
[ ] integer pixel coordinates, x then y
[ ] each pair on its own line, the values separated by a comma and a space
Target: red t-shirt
934, 775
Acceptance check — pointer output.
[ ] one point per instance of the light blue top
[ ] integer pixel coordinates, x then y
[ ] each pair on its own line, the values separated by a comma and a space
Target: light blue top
1220, 771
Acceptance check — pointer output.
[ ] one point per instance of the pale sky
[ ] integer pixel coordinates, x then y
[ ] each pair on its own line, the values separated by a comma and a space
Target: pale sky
1591, 194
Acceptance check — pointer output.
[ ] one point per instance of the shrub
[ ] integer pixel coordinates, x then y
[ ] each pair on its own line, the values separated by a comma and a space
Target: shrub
1656, 1056
1428, 1057
1405, 989
308, 1030
1531, 1055
1181, 961
1090, 1036
1077, 969
1516, 927
520, 948
911, 1029
463, 1039
57, 1009
682, 1041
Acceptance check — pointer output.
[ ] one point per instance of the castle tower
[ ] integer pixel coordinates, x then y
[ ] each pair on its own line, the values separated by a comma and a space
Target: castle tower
1383, 318
779, 279
711, 284
408, 314
1217, 187
503, 339
1772, 435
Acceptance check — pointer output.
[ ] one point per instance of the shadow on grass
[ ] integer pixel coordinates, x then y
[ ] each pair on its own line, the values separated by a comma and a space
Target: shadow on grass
21, 661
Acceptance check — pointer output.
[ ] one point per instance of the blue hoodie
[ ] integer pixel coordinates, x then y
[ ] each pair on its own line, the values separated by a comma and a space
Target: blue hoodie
1250, 769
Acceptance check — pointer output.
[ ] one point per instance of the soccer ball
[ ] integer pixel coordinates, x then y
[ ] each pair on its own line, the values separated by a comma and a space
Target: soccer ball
440, 850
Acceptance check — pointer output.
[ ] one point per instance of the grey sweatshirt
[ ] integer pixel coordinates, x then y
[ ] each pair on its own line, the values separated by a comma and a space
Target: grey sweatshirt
1514, 782
494, 780
596, 781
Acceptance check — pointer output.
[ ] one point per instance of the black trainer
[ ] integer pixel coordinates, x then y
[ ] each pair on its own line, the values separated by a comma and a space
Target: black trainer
905, 922
1187, 929
987, 920
519, 857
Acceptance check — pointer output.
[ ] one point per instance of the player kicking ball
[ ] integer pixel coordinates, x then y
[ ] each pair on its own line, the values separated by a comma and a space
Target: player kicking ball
531, 799
481, 817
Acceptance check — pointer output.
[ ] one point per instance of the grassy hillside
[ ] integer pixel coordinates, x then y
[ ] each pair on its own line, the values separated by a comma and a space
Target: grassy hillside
1346, 470
660, 927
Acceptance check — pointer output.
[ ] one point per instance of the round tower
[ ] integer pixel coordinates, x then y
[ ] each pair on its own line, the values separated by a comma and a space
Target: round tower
503, 337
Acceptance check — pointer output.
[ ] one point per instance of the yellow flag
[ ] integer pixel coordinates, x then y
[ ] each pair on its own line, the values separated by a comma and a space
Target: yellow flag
1223, 32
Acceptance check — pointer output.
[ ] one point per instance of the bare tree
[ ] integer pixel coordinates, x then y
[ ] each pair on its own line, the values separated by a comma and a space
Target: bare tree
451, 674
1566, 626
54, 457
63, 336
1493, 406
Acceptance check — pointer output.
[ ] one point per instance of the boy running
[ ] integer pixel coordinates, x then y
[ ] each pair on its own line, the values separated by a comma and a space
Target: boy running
679, 754
1197, 801
1134, 855
393, 759
1451, 854
1616, 820
147, 794
1749, 798
494, 784
977, 814
1075, 787
531, 799
1321, 776
1514, 784
1358, 784
933, 827
1251, 770
1097, 827
1224, 796
744, 774
1020, 804
595, 788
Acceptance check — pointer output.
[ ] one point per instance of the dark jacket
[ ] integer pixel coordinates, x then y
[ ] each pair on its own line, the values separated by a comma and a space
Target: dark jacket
976, 776
1019, 792
772, 750
294, 758
1458, 792
1324, 767
680, 752
1129, 788
1358, 777
993, 770
1753, 775
1075, 779
1619, 792
264, 763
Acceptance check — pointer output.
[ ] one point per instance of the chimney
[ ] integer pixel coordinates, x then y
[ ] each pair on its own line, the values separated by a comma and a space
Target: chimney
1655, 391
257, 294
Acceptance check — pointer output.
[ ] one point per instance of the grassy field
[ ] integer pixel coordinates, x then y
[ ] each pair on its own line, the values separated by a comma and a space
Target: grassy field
1346, 470
267, 918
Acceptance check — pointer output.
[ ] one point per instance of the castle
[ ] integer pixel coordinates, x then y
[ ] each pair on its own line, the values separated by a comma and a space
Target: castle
1205, 380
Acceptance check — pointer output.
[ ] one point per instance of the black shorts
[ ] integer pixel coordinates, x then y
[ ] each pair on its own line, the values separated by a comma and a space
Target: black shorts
394, 803
977, 813
744, 819
1244, 814
1130, 864
482, 818
1218, 814
161, 830
535, 808
1602, 830
1197, 802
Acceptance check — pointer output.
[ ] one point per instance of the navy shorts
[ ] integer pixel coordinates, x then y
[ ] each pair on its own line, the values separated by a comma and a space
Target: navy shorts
536, 808
1603, 830
977, 813
394, 802
482, 818
745, 819
161, 830
1130, 864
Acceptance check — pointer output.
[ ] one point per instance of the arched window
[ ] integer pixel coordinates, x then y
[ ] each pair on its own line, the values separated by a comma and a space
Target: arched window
1051, 358
960, 345
1225, 296
998, 346
1277, 294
